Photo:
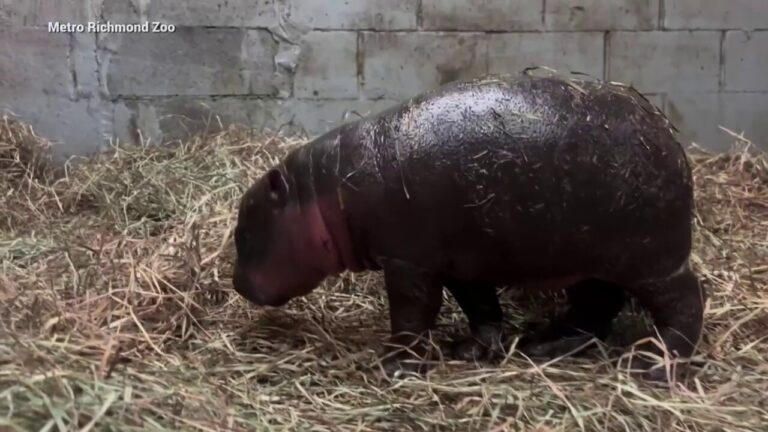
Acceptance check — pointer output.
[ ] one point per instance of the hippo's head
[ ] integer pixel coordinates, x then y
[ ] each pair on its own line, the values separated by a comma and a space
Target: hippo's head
283, 248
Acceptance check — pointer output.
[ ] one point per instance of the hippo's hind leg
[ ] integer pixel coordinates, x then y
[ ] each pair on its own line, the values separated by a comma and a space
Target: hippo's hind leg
480, 304
676, 306
415, 297
593, 305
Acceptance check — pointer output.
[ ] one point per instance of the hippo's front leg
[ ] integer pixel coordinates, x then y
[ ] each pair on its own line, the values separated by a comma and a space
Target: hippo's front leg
480, 304
415, 296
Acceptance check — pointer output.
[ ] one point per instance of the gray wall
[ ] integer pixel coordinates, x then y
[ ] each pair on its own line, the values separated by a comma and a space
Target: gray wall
268, 63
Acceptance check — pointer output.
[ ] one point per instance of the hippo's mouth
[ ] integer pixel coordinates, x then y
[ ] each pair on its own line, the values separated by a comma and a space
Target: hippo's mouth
257, 289
276, 301
261, 300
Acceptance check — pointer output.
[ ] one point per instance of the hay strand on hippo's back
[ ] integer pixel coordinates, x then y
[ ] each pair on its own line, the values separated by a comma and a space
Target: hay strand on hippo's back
117, 314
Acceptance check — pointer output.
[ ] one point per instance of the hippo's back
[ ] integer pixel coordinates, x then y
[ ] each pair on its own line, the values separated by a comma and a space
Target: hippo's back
519, 175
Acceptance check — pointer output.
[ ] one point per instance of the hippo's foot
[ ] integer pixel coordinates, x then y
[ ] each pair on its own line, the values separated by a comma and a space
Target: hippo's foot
546, 349
399, 365
648, 369
593, 305
676, 306
485, 343
480, 304
398, 360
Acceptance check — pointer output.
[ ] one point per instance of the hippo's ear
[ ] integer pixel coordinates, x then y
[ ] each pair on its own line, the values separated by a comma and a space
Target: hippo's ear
278, 187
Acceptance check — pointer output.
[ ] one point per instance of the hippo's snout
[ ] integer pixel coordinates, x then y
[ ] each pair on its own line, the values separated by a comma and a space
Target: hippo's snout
254, 293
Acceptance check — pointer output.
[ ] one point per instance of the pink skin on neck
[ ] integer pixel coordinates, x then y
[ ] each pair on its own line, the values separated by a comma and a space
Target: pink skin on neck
315, 242
337, 232
311, 243
319, 236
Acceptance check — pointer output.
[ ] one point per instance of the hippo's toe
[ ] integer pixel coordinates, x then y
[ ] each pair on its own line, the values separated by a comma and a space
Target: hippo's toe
398, 365
553, 348
650, 369
485, 343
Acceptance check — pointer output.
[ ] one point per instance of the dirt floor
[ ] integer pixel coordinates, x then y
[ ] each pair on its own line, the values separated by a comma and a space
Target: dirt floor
117, 314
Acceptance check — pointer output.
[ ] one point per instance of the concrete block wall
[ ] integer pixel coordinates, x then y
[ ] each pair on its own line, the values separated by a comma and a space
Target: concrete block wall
309, 64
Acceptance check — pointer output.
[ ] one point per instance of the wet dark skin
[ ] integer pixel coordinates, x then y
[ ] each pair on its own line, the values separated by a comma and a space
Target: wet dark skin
505, 180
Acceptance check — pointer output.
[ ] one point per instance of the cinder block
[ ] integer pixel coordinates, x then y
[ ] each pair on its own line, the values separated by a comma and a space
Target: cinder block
565, 52
697, 117
354, 14
657, 62
74, 127
31, 59
316, 117
602, 14
731, 14
171, 119
327, 66
746, 60
39, 13
86, 68
746, 112
160, 121
37, 83
124, 11
190, 61
260, 51
15, 13
400, 65
230, 13
482, 15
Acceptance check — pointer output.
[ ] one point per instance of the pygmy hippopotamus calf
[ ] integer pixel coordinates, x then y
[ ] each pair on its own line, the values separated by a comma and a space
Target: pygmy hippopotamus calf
499, 181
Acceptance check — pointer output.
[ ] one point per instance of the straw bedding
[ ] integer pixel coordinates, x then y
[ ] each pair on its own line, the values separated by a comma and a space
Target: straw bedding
117, 313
